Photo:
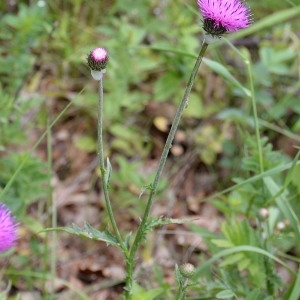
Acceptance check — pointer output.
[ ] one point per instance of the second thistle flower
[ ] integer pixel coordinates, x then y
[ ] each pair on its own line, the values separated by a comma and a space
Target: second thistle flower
8, 229
221, 16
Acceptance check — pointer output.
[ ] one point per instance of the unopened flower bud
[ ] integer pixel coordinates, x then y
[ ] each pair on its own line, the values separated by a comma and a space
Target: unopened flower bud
280, 226
264, 213
97, 61
187, 270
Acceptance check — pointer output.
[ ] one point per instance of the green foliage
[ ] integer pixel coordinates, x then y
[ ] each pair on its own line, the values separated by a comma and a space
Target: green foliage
271, 158
10, 122
126, 184
152, 45
237, 234
29, 184
139, 293
20, 33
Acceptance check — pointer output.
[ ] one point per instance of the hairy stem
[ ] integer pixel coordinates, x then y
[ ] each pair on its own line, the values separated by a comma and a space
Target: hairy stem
153, 189
103, 170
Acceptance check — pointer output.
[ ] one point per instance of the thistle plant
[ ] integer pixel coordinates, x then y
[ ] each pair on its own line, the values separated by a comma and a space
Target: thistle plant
219, 17
8, 229
183, 274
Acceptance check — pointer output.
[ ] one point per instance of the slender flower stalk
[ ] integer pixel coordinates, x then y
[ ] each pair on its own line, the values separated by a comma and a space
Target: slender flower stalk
102, 167
154, 186
97, 61
254, 109
8, 229
220, 16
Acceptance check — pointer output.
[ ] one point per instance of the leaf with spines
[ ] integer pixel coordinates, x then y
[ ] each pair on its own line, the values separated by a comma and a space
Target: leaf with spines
89, 232
161, 221
178, 276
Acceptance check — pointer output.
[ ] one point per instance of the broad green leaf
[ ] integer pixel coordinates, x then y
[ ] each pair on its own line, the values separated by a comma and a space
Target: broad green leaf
86, 143
243, 264
138, 293
253, 295
232, 259
222, 243
225, 294
167, 86
194, 108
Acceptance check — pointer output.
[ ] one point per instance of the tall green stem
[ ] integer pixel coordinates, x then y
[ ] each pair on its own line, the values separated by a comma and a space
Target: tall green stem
141, 230
102, 167
254, 109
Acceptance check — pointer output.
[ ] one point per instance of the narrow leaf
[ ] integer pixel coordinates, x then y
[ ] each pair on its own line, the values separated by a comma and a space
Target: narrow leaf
283, 204
295, 294
222, 243
221, 70
108, 172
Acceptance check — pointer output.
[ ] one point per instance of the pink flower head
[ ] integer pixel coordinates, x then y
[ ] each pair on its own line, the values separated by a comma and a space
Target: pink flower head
221, 16
97, 59
8, 232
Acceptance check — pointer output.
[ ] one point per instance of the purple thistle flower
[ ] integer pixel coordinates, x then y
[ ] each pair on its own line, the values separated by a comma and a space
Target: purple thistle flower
221, 16
97, 59
8, 229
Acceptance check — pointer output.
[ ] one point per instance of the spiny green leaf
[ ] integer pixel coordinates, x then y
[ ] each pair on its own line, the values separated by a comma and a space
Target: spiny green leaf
154, 222
89, 232
179, 277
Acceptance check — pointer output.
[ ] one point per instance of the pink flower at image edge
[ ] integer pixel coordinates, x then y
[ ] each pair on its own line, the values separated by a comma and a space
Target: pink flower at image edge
8, 229
222, 16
